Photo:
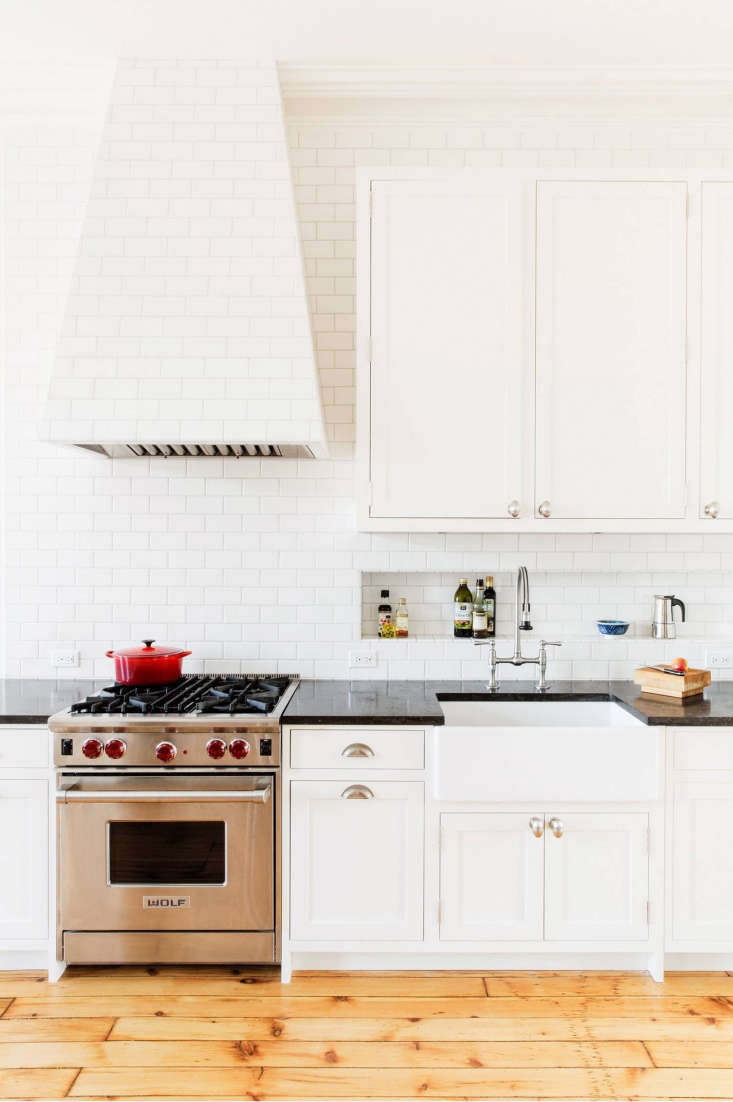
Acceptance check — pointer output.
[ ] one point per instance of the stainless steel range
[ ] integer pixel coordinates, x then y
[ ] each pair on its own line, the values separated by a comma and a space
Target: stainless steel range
168, 800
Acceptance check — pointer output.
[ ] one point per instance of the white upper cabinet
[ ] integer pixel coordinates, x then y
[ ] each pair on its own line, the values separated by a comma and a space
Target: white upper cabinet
450, 296
610, 349
716, 458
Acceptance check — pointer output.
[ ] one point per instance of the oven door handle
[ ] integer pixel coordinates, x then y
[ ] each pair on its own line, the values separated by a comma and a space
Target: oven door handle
253, 796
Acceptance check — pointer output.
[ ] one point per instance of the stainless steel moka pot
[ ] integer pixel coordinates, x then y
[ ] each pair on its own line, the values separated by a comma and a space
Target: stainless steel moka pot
663, 625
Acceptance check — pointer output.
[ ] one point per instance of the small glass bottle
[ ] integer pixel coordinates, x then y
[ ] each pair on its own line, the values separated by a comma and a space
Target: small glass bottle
490, 604
480, 620
401, 619
462, 611
385, 613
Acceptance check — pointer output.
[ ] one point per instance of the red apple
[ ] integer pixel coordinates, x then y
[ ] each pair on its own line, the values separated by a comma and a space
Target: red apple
680, 664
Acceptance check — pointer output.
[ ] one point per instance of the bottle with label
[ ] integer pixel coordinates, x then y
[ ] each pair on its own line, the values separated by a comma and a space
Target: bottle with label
490, 604
400, 619
463, 611
480, 619
385, 615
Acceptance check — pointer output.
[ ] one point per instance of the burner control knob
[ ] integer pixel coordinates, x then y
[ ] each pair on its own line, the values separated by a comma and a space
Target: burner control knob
91, 748
165, 752
115, 748
216, 748
239, 748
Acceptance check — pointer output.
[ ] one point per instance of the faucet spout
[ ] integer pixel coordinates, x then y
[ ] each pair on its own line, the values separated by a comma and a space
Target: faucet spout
521, 619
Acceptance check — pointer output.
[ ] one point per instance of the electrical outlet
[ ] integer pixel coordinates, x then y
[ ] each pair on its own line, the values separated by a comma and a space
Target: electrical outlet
721, 659
65, 659
362, 660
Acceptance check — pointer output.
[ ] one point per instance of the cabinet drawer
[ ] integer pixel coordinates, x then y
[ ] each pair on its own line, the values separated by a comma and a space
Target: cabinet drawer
357, 748
24, 747
703, 749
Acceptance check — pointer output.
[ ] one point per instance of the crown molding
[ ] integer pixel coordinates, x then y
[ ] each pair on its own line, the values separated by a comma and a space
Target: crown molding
327, 81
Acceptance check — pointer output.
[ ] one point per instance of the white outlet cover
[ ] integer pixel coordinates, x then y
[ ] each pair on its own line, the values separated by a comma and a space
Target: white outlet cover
362, 660
65, 659
719, 658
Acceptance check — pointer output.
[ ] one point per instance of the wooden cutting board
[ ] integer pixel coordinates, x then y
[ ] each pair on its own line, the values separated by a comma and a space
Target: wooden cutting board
658, 683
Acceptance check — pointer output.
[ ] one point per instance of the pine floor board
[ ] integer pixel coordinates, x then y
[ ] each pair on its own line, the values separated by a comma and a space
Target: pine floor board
305, 1083
607, 984
421, 1029
49, 1083
312, 1054
54, 1029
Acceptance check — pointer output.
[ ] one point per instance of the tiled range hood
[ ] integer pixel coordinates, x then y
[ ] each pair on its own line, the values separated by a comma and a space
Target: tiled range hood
187, 329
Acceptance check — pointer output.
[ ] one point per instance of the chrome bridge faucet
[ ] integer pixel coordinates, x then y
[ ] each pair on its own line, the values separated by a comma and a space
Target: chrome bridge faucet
521, 623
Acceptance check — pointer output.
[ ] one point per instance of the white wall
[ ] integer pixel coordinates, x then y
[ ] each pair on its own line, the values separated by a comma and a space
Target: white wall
259, 567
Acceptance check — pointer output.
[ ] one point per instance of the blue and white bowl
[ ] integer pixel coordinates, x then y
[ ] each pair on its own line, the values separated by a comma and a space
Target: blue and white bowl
612, 627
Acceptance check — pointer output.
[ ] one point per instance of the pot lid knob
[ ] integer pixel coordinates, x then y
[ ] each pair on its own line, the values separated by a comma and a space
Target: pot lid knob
148, 642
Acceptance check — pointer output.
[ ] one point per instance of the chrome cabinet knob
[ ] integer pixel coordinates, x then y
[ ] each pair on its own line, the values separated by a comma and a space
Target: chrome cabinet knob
536, 826
712, 509
514, 509
357, 792
557, 826
544, 509
357, 750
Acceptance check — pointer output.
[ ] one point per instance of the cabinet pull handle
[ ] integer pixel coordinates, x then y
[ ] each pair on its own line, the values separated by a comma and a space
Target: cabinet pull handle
514, 508
544, 509
536, 826
357, 792
357, 750
557, 826
712, 509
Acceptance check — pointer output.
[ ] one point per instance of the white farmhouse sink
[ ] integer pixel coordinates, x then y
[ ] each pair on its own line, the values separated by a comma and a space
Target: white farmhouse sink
544, 751
536, 713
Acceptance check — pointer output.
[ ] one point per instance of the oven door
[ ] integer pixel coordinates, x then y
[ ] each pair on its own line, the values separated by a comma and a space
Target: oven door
166, 853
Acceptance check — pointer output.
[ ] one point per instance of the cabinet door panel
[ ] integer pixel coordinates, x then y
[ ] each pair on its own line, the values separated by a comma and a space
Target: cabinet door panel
597, 878
450, 297
490, 878
610, 396
716, 461
23, 859
702, 872
356, 863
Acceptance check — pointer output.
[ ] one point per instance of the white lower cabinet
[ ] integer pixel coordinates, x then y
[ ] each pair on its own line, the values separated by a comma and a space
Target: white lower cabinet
597, 877
490, 877
572, 877
356, 858
702, 870
23, 860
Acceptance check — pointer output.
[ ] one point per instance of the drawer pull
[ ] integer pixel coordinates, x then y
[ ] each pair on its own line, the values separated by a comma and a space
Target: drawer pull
357, 792
536, 826
357, 750
557, 826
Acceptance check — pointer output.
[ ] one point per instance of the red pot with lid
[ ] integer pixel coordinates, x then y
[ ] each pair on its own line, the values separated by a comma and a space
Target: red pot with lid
147, 664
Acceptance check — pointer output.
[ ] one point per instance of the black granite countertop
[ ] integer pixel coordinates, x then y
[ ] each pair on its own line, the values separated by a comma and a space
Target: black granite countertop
401, 702
31, 700
409, 702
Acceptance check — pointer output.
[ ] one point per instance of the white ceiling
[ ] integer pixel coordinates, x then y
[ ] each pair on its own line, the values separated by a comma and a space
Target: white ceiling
484, 32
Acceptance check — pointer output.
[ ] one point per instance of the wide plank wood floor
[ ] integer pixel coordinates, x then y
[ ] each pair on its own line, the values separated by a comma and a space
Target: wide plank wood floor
177, 1033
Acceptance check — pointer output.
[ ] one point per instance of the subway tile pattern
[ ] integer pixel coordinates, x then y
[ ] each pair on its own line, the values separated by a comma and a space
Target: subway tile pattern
256, 565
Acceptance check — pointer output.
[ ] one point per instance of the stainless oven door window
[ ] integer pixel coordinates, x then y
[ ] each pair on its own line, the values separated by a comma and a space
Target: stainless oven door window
214, 832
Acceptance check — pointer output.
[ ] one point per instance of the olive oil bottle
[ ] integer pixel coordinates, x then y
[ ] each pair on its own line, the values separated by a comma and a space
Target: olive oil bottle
385, 616
463, 611
480, 619
401, 619
490, 605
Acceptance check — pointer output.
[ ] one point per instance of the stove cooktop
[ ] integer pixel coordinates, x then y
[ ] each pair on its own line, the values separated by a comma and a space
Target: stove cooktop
192, 694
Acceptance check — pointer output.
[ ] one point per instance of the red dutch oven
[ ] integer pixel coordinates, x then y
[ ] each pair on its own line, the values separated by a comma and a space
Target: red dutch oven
147, 665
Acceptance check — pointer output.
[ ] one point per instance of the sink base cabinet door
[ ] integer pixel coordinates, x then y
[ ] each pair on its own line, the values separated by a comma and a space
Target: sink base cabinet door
597, 877
490, 878
702, 871
356, 860
23, 860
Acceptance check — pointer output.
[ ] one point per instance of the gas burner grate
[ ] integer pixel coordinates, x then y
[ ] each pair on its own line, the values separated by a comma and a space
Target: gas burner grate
231, 694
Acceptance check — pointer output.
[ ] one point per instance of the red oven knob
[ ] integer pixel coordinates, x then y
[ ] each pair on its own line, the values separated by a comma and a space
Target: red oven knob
165, 751
91, 748
239, 748
115, 748
216, 748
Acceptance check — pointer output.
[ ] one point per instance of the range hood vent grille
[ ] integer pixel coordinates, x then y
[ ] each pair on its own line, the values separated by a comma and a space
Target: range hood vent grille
197, 451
